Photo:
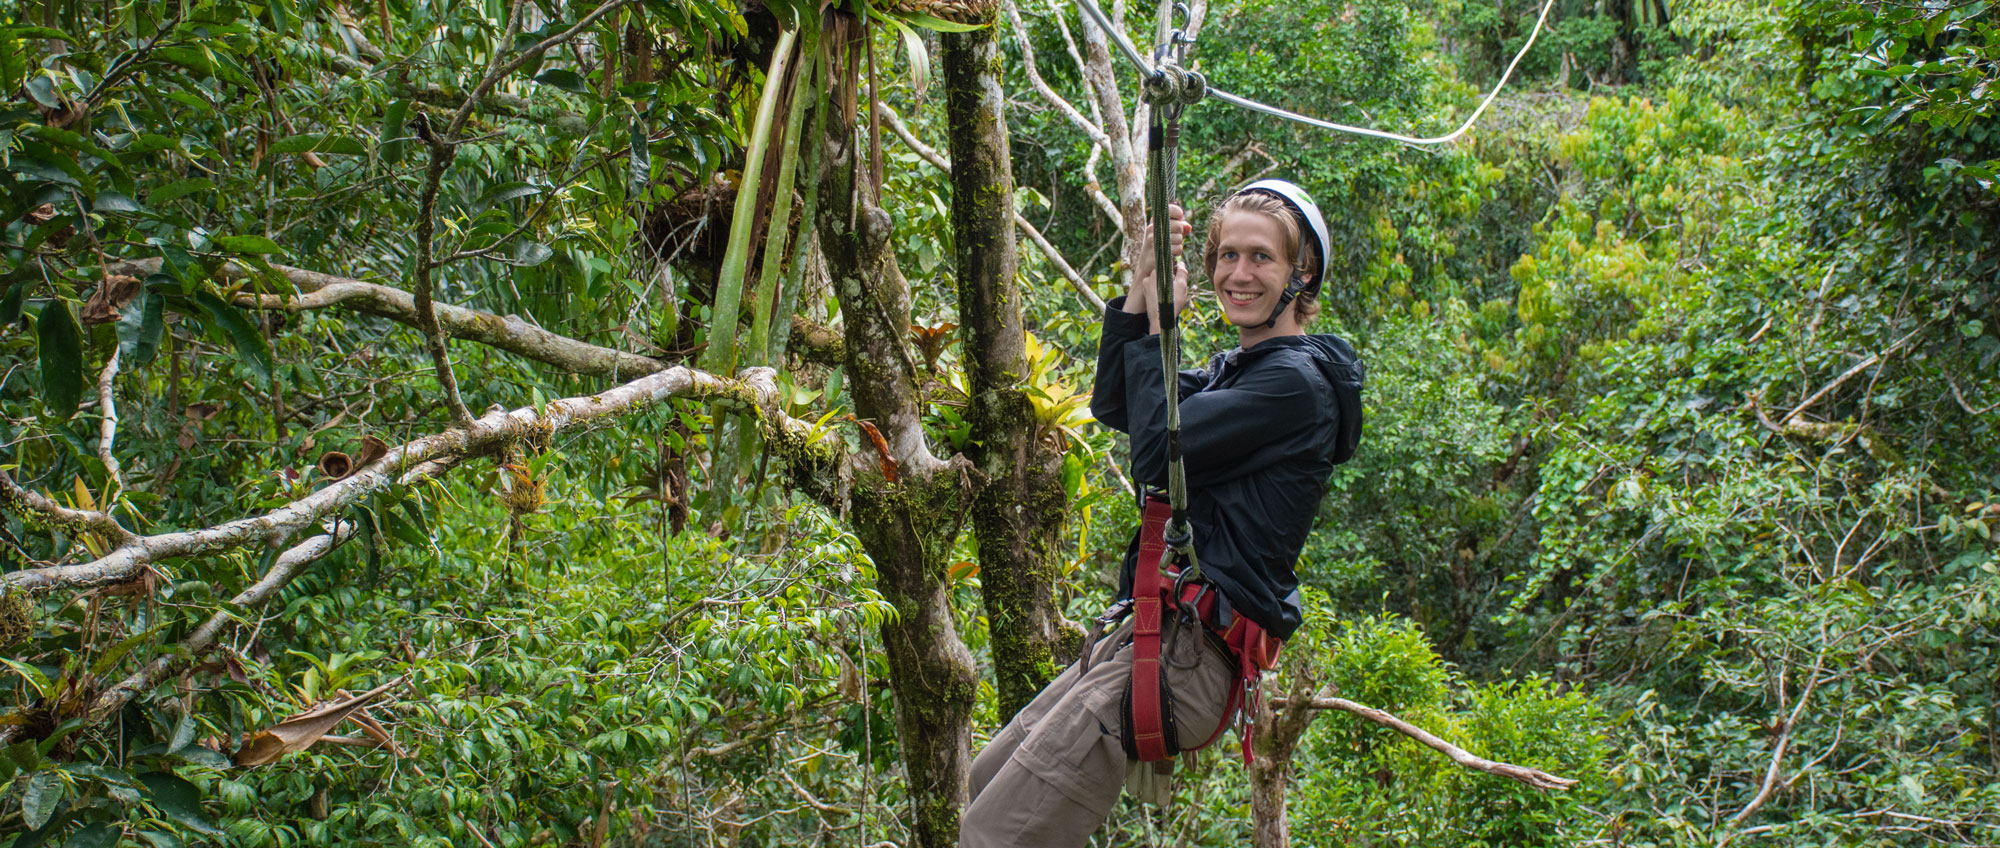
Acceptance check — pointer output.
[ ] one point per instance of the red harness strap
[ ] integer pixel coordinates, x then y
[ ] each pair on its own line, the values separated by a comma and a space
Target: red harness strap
1254, 650
1149, 594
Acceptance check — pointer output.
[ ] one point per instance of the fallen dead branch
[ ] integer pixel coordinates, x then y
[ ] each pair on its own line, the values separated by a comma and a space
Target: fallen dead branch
1530, 776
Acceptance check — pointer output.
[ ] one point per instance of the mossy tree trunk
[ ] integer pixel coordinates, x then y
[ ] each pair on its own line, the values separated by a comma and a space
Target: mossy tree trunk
1019, 509
905, 509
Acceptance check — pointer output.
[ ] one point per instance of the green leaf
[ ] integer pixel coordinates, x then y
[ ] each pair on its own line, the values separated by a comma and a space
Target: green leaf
392, 130
640, 164
42, 88
282, 18
62, 359
931, 23
98, 835
295, 143
246, 244
244, 336
10, 306
24, 753
19, 31
508, 191
178, 800
528, 254
111, 201
140, 328
920, 56
183, 733
566, 80
39, 801
178, 189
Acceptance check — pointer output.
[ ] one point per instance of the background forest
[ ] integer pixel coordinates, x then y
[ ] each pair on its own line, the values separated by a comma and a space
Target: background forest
662, 423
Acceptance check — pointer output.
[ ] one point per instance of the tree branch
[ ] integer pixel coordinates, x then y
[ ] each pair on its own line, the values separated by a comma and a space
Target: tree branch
509, 333
283, 570
755, 390
498, 70
107, 427
938, 161
13, 498
1530, 776
1095, 132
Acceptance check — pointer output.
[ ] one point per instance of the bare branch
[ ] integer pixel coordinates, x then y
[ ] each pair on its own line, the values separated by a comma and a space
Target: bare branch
1091, 129
283, 570
1784, 743
755, 390
1859, 367
107, 426
937, 160
506, 332
499, 70
1530, 776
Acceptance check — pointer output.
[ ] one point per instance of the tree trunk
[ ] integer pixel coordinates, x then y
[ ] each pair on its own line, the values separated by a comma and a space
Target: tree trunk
1019, 510
906, 514
1277, 738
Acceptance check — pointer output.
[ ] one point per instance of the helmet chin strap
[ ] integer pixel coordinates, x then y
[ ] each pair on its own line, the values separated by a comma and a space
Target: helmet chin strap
1292, 290
1298, 284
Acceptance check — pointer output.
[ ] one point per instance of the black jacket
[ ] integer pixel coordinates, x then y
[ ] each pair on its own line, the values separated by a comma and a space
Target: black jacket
1261, 430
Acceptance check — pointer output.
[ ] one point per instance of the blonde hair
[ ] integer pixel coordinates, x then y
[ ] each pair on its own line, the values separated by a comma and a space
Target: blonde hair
1306, 305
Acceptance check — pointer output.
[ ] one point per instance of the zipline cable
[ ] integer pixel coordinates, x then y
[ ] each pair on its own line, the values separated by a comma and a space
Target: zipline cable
1125, 46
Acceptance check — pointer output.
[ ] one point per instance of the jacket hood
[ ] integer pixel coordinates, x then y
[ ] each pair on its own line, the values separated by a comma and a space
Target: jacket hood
1343, 369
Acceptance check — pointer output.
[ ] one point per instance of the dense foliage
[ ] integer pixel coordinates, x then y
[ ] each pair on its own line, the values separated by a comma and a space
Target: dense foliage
1679, 476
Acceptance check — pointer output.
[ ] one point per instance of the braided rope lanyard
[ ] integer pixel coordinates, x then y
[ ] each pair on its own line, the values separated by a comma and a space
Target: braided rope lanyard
1169, 88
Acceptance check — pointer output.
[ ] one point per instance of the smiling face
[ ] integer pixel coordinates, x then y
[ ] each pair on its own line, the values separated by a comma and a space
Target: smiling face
1249, 265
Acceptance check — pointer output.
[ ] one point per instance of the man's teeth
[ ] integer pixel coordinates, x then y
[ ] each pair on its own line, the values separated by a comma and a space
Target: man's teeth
1240, 297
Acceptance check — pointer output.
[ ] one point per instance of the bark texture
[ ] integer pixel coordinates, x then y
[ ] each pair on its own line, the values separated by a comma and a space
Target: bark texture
906, 509
1019, 510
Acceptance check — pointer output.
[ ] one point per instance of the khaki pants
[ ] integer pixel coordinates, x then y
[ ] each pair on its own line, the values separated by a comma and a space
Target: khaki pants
1051, 776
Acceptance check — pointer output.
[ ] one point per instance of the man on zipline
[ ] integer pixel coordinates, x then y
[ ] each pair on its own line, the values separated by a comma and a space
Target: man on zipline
1261, 429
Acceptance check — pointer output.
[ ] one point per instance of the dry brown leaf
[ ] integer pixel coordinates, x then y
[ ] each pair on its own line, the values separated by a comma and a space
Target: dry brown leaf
303, 730
110, 299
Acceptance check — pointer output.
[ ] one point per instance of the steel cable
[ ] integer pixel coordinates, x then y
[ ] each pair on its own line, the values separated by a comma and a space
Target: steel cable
1117, 36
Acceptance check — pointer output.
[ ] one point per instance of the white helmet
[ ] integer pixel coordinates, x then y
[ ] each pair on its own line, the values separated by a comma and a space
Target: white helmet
1309, 211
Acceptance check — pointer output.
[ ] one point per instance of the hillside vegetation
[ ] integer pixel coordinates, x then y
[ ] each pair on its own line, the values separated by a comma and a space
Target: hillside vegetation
665, 423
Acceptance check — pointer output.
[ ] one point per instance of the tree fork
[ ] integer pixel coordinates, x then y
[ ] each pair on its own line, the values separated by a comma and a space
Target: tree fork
906, 524
1017, 514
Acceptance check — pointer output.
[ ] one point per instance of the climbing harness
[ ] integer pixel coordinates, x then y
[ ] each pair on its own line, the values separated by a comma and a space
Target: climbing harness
1150, 734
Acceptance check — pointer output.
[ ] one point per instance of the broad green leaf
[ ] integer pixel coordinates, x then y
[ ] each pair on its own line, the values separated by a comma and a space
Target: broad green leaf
183, 733
508, 191
393, 134
564, 79
97, 835
932, 23
35, 678
39, 800
296, 143
920, 56
61, 358
178, 189
282, 18
10, 306
246, 244
640, 159
178, 800
111, 201
42, 88
241, 334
